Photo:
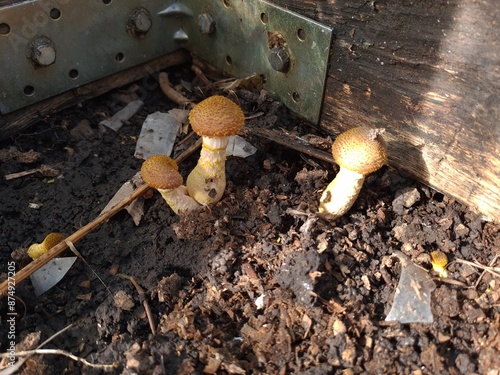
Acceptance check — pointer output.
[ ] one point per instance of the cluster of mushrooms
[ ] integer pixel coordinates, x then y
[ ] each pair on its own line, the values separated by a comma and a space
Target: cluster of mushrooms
358, 152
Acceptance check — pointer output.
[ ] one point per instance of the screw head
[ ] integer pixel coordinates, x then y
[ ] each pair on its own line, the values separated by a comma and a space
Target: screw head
43, 51
279, 59
206, 23
139, 22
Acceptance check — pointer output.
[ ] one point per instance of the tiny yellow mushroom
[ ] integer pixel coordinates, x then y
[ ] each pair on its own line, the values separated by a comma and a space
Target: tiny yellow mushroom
439, 260
162, 173
358, 152
37, 249
215, 119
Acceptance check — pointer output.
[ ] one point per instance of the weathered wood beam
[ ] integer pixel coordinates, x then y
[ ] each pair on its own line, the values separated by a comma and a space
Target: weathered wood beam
429, 72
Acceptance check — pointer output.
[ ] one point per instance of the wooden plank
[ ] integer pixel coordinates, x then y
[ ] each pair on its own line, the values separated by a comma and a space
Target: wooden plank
16, 121
429, 72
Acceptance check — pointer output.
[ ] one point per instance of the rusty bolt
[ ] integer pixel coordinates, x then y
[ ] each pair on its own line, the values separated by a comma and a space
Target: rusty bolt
206, 23
139, 22
43, 51
279, 59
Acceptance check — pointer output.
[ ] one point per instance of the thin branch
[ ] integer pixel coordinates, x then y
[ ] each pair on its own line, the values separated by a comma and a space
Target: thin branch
64, 353
493, 270
143, 298
172, 93
12, 369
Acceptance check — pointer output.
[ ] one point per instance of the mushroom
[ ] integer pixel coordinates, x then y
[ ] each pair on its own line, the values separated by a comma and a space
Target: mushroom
214, 119
358, 152
37, 249
162, 173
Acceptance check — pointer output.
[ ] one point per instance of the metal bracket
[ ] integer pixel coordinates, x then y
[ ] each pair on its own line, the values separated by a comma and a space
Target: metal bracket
51, 46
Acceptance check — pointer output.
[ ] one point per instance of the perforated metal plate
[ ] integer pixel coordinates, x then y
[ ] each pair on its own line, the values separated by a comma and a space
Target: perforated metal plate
246, 35
92, 39
51, 46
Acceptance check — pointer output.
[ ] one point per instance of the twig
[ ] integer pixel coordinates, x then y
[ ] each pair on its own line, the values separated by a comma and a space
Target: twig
293, 142
493, 270
188, 151
172, 93
143, 298
200, 75
64, 353
493, 261
12, 369
186, 138
38, 263
45, 170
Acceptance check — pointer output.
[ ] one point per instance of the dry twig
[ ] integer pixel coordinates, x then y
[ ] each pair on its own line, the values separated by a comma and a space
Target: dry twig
29, 353
12, 369
143, 298
495, 271
172, 93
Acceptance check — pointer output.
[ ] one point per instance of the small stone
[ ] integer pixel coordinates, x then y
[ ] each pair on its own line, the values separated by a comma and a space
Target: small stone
464, 364
461, 230
474, 315
405, 198
123, 300
339, 328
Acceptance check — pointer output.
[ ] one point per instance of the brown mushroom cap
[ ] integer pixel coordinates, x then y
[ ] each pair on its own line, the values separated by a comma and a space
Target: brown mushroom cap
216, 116
362, 150
161, 172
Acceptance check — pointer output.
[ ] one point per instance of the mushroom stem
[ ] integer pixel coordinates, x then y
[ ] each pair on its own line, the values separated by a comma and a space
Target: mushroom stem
179, 200
207, 181
340, 194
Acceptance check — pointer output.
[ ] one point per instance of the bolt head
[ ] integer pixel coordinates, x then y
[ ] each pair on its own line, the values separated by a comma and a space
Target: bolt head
143, 23
279, 59
139, 22
206, 23
43, 51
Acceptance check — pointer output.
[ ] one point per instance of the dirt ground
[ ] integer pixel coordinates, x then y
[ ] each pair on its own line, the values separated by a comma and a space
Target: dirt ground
256, 284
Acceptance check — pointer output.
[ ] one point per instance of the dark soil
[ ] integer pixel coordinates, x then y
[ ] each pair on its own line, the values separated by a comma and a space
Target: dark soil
256, 284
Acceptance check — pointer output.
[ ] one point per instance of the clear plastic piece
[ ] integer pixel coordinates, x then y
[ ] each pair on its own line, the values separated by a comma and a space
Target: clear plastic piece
412, 300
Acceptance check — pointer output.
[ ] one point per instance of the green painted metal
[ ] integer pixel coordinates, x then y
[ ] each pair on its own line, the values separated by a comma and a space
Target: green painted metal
51, 46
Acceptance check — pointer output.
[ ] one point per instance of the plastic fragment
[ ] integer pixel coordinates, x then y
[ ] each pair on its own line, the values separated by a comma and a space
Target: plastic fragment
412, 300
158, 135
50, 274
116, 121
239, 147
135, 209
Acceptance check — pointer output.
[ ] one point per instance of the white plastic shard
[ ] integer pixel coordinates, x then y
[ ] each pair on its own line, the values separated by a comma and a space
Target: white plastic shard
50, 274
412, 300
125, 114
136, 208
238, 146
158, 135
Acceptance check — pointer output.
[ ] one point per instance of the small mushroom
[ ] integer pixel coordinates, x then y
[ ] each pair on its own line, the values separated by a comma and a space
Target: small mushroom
215, 119
439, 261
37, 249
162, 173
358, 152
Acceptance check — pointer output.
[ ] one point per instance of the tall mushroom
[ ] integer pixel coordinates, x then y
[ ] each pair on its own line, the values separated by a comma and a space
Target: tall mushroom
214, 119
162, 173
358, 152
